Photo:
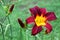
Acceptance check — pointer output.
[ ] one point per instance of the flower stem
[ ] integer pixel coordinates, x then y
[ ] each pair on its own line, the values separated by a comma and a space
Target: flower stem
10, 27
41, 37
26, 34
21, 34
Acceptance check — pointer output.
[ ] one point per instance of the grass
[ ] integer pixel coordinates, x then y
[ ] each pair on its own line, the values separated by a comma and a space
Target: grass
21, 10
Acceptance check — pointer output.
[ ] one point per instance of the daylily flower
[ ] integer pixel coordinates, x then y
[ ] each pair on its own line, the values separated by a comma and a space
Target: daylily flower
40, 18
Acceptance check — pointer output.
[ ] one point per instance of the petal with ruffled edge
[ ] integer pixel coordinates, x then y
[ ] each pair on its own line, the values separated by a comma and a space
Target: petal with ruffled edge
33, 11
40, 10
36, 10
30, 20
21, 23
48, 27
36, 30
50, 16
43, 10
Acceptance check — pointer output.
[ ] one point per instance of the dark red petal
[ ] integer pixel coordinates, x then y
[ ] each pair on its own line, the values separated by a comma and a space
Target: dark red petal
30, 20
21, 23
36, 10
43, 10
36, 30
33, 11
40, 10
50, 16
48, 27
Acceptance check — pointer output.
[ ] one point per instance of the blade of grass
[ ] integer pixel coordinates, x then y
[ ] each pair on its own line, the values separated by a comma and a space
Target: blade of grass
26, 34
21, 35
10, 27
7, 26
52, 36
35, 38
2, 32
1, 23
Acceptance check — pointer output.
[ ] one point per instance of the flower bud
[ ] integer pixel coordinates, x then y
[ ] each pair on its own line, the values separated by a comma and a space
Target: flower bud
11, 8
21, 23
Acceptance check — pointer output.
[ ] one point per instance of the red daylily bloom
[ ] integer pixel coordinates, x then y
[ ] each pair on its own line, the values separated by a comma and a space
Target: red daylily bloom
40, 18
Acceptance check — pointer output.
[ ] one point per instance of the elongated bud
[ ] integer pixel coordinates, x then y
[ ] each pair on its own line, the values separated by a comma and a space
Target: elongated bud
11, 8
21, 23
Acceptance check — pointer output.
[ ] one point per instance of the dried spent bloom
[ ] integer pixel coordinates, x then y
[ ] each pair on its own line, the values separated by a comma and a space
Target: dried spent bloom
21, 23
40, 18
11, 8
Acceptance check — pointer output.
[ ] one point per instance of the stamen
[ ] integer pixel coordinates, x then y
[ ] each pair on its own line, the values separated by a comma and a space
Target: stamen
40, 20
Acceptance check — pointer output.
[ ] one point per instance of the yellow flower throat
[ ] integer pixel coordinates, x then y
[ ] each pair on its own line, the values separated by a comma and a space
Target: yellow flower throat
40, 20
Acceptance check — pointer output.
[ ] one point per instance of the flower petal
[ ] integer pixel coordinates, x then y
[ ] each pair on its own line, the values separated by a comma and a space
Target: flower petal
43, 10
40, 10
50, 16
33, 11
48, 27
36, 30
30, 20
37, 10
21, 23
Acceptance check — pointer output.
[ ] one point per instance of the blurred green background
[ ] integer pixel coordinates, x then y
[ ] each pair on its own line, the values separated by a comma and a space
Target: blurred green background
11, 30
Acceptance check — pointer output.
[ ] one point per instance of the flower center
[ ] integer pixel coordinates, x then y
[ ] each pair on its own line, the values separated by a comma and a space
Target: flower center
40, 20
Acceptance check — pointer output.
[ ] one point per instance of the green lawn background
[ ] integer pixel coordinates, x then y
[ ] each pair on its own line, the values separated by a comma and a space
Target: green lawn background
21, 10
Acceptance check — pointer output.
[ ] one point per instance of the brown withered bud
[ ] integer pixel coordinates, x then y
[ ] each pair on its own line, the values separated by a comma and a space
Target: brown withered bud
11, 8
21, 23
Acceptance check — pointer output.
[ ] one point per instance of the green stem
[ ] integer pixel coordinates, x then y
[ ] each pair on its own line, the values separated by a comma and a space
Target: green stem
41, 37
26, 38
10, 27
21, 34
2, 32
